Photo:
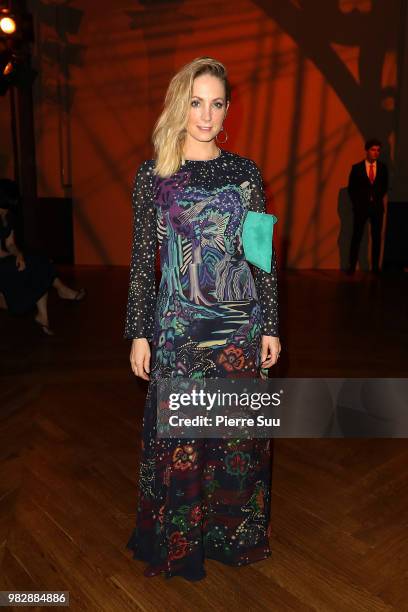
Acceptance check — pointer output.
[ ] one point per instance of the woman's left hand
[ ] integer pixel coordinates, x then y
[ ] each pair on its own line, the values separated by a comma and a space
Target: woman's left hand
270, 351
20, 263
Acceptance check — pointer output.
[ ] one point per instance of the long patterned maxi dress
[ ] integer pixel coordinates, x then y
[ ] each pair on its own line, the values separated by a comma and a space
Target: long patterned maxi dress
202, 498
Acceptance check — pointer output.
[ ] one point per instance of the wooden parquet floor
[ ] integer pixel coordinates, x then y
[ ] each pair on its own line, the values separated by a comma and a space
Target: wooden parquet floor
71, 413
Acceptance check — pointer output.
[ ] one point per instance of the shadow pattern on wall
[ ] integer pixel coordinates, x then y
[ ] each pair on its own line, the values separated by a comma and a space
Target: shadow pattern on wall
369, 104
162, 26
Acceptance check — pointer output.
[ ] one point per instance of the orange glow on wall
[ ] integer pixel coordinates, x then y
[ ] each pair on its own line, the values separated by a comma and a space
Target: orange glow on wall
304, 99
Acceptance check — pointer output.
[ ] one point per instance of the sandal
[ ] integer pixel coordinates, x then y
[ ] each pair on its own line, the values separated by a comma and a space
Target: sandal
78, 297
46, 328
80, 294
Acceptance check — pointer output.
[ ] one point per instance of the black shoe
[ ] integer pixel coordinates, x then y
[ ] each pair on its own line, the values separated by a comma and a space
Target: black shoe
350, 271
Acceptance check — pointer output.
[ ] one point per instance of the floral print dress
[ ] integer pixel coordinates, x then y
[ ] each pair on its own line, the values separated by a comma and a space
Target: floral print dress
200, 498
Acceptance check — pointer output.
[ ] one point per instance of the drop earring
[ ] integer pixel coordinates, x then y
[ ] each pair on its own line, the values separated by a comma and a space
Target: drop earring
226, 136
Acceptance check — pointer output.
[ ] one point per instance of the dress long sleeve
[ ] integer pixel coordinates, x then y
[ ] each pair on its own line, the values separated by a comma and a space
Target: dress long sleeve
266, 283
142, 282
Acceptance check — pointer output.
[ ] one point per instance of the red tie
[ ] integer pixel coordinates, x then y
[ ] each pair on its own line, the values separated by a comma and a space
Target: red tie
371, 173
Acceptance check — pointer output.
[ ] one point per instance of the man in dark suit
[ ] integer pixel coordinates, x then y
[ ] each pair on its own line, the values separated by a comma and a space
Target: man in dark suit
367, 187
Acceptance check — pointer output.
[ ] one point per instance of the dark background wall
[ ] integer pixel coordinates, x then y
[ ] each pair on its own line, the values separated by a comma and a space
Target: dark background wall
311, 80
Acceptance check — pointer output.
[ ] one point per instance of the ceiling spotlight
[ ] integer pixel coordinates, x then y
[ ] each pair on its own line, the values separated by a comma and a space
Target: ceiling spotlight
7, 25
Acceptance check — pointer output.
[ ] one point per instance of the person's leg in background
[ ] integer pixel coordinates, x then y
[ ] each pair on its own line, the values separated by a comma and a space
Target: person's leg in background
359, 222
42, 315
376, 222
66, 292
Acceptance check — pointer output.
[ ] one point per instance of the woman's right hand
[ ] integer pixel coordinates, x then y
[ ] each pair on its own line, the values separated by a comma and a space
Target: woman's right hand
140, 358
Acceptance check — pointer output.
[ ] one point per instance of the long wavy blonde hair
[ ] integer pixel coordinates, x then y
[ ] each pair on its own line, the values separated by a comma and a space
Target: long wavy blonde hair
170, 128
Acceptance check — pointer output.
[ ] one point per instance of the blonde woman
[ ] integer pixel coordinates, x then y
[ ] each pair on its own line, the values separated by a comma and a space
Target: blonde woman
202, 498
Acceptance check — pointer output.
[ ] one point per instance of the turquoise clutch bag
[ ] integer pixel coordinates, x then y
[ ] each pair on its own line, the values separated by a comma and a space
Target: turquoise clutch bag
257, 234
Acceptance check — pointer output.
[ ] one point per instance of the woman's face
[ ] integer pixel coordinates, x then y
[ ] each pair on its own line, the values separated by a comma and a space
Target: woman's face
208, 108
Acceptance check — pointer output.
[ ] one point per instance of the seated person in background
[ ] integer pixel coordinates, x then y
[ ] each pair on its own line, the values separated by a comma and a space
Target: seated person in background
25, 280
